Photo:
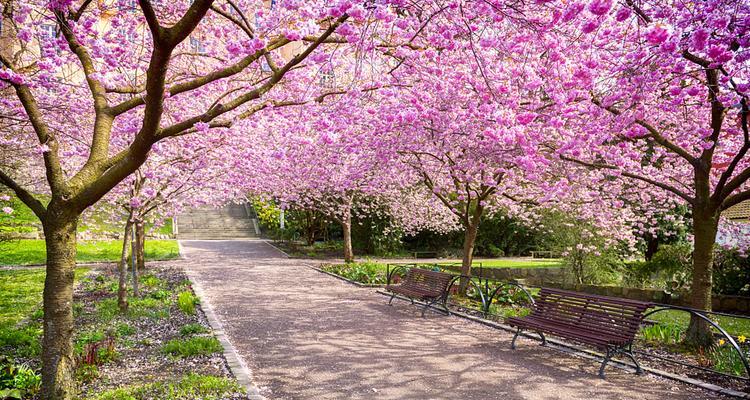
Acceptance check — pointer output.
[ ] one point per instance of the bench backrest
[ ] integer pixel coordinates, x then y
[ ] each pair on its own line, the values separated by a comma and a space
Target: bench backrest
610, 315
431, 283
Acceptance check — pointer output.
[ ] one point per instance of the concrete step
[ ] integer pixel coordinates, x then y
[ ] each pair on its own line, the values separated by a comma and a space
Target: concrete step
228, 222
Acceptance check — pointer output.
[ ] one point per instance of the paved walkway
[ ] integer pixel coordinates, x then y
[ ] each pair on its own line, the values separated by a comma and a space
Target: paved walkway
306, 335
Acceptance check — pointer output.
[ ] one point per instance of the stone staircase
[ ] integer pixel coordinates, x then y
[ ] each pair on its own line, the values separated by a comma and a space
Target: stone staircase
230, 222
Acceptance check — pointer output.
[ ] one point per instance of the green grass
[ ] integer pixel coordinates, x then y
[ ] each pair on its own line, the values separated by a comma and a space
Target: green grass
190, 387
22, 219
21, 293
733, 326
20, 298
194, 346
25, 252
502, 263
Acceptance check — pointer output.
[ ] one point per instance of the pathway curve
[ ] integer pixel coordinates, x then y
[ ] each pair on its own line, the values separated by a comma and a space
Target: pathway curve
306, 335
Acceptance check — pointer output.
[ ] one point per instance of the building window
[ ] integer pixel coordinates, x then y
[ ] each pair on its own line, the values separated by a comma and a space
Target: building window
47, 32
197, 46
327, 79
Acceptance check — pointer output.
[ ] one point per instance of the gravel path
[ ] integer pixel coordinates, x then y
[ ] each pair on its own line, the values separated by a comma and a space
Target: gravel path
306, 335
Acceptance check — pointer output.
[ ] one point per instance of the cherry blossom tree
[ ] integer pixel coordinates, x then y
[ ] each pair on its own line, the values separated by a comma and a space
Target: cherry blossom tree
656, 92
95, 85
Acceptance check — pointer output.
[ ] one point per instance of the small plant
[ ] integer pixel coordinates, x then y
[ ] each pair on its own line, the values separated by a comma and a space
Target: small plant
192, 329
194, 346
124, 329
99, 353
17, 381
186, 301
663, 333
190, 387
724, 358
160, 294
151, 281
87, 373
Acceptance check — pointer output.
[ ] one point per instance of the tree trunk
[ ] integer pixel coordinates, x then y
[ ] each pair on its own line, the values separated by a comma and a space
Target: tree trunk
346, 227
58, 363
470, 237
122, 288
133, 266
140, 243
705, 226
652, 246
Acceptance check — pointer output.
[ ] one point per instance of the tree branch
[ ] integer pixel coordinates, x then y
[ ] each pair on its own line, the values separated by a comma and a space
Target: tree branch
26, 197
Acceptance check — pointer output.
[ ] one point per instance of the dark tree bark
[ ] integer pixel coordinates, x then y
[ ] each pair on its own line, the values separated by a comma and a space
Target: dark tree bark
471, 226
705, 225
58, 363
140, 245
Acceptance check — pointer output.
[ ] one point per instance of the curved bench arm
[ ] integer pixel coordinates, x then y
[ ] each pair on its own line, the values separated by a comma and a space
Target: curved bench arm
472, 281
391, 269
703, 316
492, 295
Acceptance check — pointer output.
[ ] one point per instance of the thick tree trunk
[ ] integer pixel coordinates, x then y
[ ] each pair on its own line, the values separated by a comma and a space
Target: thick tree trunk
705, 225
140, 245
122, 287
58, 363
470, 237
346, 227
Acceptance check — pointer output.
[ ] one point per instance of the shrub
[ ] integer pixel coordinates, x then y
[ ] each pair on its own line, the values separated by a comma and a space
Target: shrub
367, 272
672, 265
192, 329
186, 301
731, 273
195, 346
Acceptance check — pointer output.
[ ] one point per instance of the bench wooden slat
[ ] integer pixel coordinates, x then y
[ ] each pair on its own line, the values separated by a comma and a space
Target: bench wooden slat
607, 323
422, 284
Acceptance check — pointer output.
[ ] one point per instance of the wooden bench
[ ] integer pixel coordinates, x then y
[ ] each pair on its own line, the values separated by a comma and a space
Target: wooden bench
421, 284
607, 323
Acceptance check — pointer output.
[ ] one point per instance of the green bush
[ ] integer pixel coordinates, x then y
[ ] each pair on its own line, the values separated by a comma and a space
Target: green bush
190, 387
731, 273
367, 272
186, 301
194, 346
192, 329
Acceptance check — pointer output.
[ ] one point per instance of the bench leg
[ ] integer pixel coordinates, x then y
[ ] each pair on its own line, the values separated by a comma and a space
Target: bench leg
604, 363
544, 339
513, 342
629, 353
391, 300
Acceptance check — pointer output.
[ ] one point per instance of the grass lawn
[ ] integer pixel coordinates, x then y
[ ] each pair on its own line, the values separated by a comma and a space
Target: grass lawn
733, 326
503, 263
21, 294
25, 252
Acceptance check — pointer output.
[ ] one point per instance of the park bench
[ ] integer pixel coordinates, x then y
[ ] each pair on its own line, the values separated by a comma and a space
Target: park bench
606, 323
430, 287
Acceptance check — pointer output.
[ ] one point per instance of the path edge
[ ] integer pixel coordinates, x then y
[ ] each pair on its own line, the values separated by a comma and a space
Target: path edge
589, 354
237, 366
